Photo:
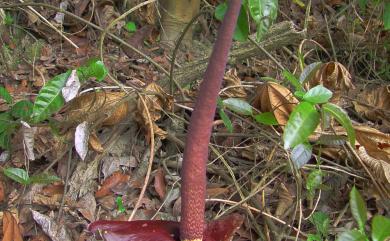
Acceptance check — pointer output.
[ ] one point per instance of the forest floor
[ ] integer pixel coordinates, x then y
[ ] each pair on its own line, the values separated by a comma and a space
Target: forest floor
114, 152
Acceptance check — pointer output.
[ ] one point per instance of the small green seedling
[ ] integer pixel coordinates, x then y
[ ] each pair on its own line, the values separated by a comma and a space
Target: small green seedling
119, 204
130, 27
321, 221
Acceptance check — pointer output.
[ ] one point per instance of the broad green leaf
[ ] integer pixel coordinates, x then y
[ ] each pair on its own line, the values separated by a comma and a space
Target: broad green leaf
293, 80
220, 11
94, 68
18, 175
241, 31
266, 118
313, 182
309, 71
131, 27
22, 109
5, 121
8, 19
352, 235
380, 228
5, 140
301, 154
44, 178
321, 222
386, 16
119, 204
358, 208
301, 123
238, 105
226, 121
318, 95
299, 94
49, 99
263, 12
342, 117
5, 95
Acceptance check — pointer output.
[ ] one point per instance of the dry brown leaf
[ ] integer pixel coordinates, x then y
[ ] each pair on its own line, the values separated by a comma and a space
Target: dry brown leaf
2, 191
286, 199
335, 77
273, 97
155, 104
91, 107
51, 201
110, 182
374, 104
55, 231
216, 191
376, 143
87, 206
95, 143
233, 85
11, 229
159, 183
379, 168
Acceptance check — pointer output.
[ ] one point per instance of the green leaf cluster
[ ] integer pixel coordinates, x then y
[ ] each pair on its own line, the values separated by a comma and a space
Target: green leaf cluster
262, 12
21, 176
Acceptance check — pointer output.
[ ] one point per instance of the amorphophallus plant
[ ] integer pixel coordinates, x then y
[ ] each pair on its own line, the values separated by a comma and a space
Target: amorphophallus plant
192, 226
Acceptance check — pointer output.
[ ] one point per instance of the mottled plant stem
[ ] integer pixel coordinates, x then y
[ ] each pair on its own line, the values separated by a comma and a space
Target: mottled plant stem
193, 192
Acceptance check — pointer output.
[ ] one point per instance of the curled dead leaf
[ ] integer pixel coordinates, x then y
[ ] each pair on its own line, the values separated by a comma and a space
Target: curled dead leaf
233, 85
374, 104
273, 97
95, 143
286, 199
110, 182
156, 101
376, 143
335, 77
380, 169
159, 183
11, 229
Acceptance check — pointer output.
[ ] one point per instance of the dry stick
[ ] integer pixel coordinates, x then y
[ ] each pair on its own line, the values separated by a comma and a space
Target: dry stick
113, 36
151, 157
51, 25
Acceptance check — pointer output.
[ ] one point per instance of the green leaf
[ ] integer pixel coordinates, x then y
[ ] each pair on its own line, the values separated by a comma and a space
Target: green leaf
220, 11
94, 68
238, 105
363, 4
313, 182
5, 95
263, 12
358, 208
301, 154
266, 118
342, 117
131, 27
8, 19
352, 235
293, 80
301, 123
44, 178
314, 237
49, 99
299, 94
300, 3
22, 109
380, 228
226, 121
318, 95
309, 71
5, 121
5, 140
119, 204
18, 175
386, 16
241, 31
321, 222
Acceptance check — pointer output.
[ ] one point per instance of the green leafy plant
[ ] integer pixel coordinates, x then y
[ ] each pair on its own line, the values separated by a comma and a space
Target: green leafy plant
21, 176
321, 222
380, 225
130, 27
119, 204
262, 12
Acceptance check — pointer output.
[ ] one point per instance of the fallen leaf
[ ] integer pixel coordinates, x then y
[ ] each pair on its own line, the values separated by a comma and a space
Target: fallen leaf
115, 179
275, 98
28, 141
51, 228
11, 229
81, 137
380, 169
72, 86
95, 143
159, 183
87, 206
376, 143
2, 191
233, 85
216, 191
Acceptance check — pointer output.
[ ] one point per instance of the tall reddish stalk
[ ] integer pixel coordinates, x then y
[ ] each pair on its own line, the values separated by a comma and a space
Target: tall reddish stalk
193, 191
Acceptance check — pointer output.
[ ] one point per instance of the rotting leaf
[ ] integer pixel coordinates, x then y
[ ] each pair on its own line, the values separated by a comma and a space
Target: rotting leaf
72, 86
87, 206
379, 168
233, 85
81, 137
275, 98
51, 228
376, 143
28, 141
110, 182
